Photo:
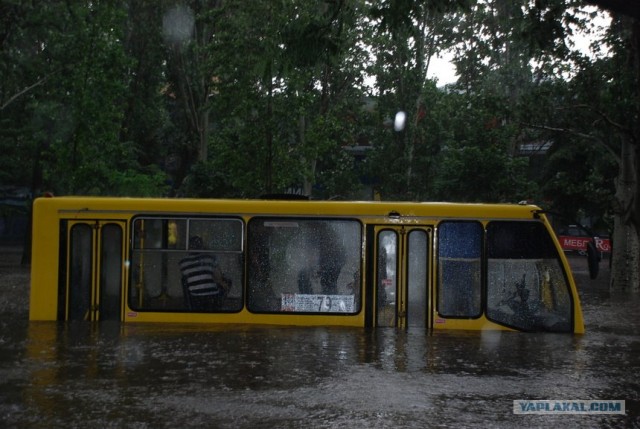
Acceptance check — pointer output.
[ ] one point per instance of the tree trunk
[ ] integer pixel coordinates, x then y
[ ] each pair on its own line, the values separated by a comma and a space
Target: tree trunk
625, 257
625, 275
625, 269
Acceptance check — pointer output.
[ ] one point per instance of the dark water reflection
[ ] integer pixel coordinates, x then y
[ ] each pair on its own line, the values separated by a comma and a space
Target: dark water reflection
148, 376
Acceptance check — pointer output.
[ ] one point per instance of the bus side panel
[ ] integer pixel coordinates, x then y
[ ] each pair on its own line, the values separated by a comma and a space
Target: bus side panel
43, 304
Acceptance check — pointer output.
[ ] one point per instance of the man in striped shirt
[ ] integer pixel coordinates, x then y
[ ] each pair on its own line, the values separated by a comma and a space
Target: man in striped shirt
204, 285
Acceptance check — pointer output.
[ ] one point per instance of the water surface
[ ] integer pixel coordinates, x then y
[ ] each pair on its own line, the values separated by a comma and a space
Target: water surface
148, 376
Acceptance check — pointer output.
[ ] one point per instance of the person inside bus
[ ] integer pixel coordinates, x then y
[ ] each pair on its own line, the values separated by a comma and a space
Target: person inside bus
205, 288
304, 281
331, 259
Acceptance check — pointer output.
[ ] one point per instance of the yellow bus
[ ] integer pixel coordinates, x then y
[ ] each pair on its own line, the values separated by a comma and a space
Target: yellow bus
369, 264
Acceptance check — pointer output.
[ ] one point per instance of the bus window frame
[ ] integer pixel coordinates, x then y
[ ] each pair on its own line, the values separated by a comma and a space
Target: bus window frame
186, 217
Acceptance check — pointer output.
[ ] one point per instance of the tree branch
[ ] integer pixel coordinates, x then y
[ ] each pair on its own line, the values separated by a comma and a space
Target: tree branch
607, 119
24, 91
577, 134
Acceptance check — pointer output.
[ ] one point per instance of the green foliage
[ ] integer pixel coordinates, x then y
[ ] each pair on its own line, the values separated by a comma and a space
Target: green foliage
578, 175
478, 162
283, 90
70, 125
260, 97
511, 58
204, 181
579, 179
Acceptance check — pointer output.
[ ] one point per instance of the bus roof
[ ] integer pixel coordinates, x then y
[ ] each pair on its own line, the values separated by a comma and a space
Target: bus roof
399, 209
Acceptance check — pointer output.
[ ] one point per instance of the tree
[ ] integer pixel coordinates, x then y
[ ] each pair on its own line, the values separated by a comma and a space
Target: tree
145, 121
283, 88
476, 162
325, 60
407, 34
613, 104
601, 108
68, 128
188, 31
23, 71
93, 159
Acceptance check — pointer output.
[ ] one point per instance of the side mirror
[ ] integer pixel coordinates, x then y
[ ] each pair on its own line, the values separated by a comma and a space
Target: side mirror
593, 260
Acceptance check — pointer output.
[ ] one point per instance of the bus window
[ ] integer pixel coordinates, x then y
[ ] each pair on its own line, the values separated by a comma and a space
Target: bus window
221, 235
526, 288
386, 290
304, 266
80, 275
110, 272
459, 269
159, 233
160, 276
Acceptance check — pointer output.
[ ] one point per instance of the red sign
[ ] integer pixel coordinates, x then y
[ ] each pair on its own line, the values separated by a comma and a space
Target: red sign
580, 243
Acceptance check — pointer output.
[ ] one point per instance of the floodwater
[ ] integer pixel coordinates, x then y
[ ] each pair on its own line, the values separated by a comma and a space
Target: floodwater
152, 376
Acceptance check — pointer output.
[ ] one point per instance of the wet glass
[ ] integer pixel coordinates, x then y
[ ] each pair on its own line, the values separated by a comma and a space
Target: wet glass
459, 269
81, 245
387, 285
110, 272
526, 288
161, 244
417, 278
304, 266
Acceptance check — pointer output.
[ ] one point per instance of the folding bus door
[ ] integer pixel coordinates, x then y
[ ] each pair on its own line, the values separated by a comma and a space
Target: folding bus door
402, 276
94, 270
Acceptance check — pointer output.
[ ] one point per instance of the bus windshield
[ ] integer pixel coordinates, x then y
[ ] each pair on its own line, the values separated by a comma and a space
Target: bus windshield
526, 288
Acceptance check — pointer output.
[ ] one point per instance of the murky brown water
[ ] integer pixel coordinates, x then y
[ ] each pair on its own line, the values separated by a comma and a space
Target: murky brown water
149, 376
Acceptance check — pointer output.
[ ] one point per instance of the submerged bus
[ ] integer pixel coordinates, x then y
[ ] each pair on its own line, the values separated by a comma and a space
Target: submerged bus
369, 264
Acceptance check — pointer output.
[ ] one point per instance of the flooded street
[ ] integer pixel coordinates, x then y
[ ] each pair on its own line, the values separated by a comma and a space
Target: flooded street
149, 376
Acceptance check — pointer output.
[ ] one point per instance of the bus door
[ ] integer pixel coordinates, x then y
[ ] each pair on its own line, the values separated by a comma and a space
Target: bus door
402, 276
94, 269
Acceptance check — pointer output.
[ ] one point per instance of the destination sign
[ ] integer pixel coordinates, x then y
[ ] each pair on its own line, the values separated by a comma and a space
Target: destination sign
307, 303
